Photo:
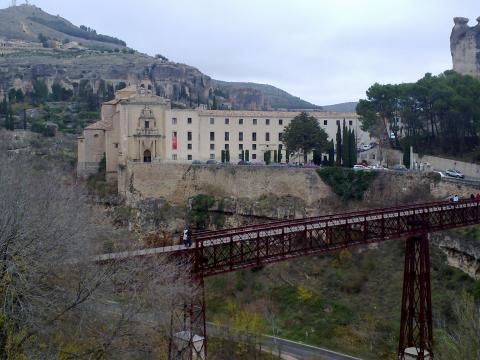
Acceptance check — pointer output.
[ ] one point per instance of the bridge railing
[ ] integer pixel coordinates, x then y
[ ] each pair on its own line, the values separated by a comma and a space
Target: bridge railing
224, 251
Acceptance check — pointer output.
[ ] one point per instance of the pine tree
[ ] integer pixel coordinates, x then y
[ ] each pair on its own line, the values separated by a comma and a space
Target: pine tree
247, 155
275, 156
223, 156
227, 155
214, 105
338, 161
279, 154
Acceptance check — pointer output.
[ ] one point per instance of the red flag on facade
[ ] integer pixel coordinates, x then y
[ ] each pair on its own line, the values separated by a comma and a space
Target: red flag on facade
174, 141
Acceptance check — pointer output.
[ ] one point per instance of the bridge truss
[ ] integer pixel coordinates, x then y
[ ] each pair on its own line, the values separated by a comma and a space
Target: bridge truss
218, 252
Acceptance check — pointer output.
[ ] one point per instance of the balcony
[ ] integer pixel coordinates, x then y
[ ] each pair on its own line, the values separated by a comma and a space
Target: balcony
147, 132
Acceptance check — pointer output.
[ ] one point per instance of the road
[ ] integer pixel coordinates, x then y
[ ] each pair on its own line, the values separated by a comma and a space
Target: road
302, 351
289, 349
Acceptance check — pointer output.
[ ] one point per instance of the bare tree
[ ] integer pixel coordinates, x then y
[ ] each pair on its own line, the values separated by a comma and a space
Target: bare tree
55, 302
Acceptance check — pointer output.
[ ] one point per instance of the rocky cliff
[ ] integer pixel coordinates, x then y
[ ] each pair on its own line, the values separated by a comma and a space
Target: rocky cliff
465, 47
35, 45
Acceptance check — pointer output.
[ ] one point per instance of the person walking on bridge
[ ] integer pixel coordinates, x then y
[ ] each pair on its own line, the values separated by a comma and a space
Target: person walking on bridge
187, 237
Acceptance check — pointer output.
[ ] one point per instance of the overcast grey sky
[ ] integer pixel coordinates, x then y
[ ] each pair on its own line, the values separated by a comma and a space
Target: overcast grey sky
323, 51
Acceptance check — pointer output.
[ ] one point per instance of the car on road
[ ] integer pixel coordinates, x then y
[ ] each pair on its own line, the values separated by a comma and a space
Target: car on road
197, 162
212, 162
243, 162
454, 173
399, 167
376, 167
366, 147
360, 167
442, 174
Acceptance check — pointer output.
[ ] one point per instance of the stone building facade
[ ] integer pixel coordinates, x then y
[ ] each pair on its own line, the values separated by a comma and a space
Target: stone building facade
140, 127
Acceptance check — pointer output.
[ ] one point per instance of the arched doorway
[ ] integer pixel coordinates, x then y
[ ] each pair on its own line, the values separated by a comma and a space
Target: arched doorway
147, 156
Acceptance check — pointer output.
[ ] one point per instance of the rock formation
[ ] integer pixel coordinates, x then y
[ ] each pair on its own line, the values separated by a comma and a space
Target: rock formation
465, 47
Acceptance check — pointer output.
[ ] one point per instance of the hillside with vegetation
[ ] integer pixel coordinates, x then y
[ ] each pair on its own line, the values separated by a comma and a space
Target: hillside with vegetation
42, 47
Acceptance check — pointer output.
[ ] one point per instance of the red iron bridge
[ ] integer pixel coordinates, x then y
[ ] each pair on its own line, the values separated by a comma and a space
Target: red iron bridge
222, 251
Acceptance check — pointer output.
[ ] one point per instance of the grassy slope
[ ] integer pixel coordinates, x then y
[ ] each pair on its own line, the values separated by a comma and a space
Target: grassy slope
345, 301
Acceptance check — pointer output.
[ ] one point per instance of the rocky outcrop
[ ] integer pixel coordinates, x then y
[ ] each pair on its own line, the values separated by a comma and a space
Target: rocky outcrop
465, 47
462, 253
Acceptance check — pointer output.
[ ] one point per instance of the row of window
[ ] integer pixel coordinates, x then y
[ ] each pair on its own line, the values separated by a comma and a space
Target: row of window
190, 157
254, 121
227, 146
240, 136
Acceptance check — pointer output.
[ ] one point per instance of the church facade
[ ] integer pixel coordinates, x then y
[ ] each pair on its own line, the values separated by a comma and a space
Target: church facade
138, 126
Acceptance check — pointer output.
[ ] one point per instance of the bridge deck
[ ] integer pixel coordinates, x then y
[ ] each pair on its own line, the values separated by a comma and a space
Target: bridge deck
257, 245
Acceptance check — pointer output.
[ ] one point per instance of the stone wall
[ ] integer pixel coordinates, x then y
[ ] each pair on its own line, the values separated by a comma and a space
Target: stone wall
438, 163
179, 182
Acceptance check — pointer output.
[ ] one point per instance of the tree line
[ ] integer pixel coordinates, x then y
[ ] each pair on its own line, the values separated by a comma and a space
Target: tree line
439, 115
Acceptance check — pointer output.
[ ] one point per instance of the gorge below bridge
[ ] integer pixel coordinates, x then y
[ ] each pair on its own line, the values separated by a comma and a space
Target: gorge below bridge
229, 250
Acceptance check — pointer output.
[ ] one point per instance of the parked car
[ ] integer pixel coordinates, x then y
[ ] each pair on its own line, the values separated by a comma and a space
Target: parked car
360, 167
212, 162
366, 147
376, 167
197, 162
442, 174
454, 173
243, 162
399, 167
392, 135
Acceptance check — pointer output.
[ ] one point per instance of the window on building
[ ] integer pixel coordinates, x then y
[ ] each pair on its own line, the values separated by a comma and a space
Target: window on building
174, 121
254, 121
96, 135
280, 122
280, 136
212, 121
189, 120
254, 156
174, 156
147, 124
254, 146
280, 147
350, 122
147, 156
212, 136
227, 147
116, 145
189, 157
189, 146
189, 136
212, 156
240, 146
240, 121
212, 146
267, 136
267, 121
325, 122
254, 136
227, 121
227, 136
240, 136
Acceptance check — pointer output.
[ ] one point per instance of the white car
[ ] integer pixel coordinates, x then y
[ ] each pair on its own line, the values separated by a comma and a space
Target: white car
454, 173
359, 167
366, 147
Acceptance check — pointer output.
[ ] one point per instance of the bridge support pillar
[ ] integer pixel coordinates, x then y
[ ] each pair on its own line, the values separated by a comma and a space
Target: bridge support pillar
188, 337
416, 333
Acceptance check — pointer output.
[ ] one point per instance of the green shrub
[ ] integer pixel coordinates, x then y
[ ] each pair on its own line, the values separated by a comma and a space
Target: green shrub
347, 183
200, 204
